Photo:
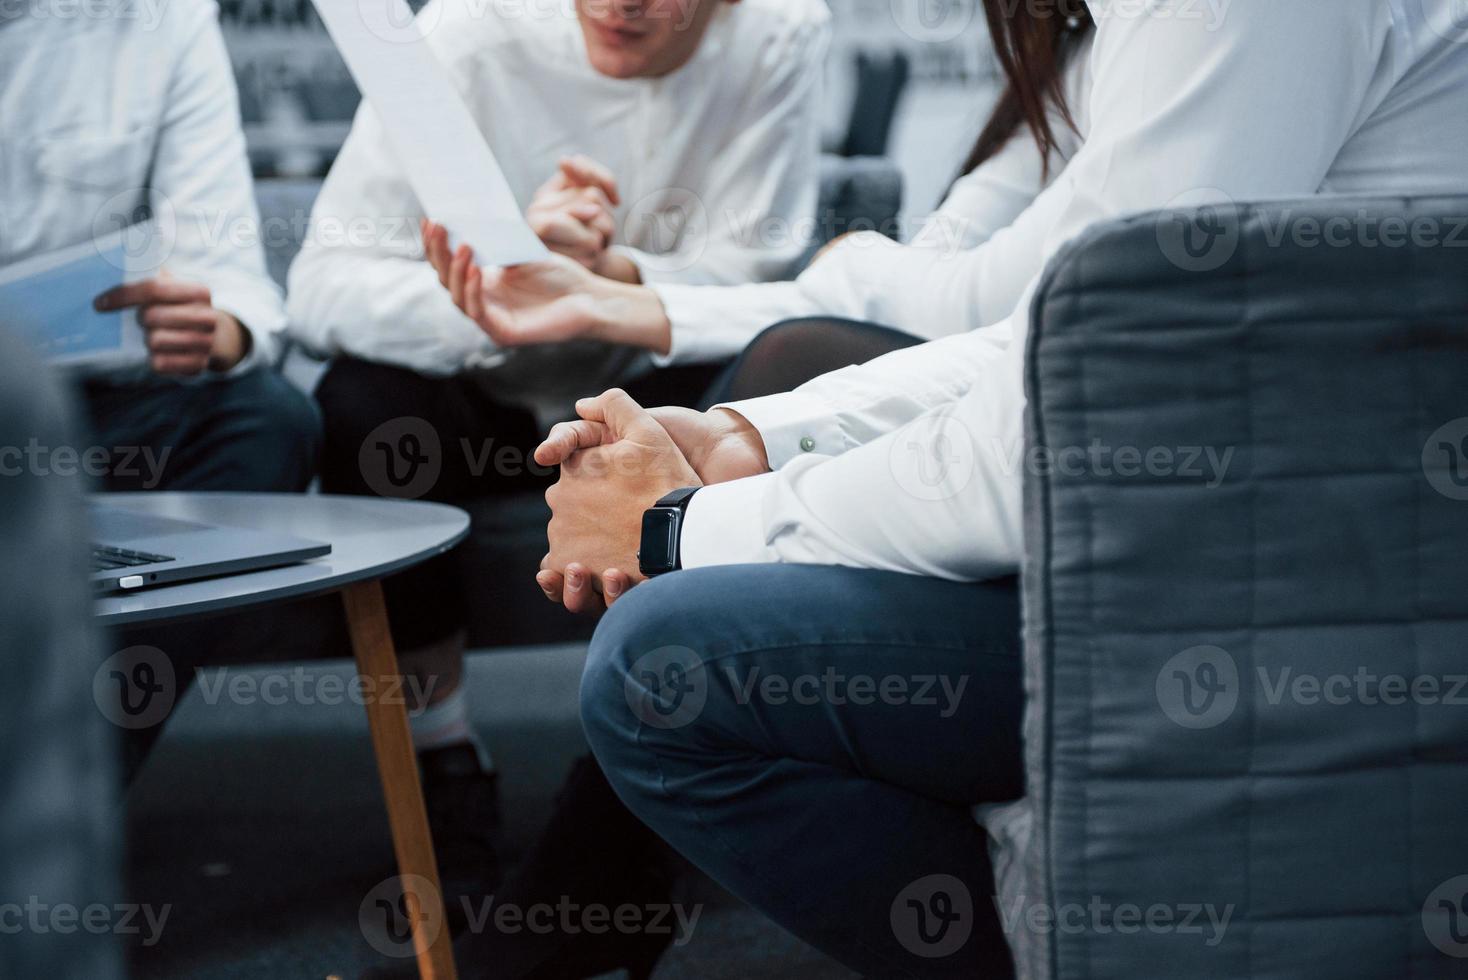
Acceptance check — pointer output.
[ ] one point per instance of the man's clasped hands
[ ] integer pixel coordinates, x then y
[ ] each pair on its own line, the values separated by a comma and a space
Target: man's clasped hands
617, 460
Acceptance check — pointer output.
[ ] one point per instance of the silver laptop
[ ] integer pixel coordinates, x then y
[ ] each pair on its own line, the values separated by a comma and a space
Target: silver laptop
135, 551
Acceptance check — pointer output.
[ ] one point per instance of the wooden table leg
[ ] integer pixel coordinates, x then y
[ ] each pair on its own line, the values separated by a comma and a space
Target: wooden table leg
377, 664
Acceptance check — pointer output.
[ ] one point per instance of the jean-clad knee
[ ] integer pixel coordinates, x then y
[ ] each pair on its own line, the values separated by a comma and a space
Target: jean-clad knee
692, 702
640, 670
621, 637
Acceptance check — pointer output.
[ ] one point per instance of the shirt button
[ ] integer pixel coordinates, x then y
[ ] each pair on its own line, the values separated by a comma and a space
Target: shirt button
807, 444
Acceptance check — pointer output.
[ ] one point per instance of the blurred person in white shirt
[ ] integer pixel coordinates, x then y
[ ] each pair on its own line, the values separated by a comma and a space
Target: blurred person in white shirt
114, 112
646, 141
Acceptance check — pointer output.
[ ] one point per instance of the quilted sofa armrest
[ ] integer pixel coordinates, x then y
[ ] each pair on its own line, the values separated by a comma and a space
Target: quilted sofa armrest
1246, 489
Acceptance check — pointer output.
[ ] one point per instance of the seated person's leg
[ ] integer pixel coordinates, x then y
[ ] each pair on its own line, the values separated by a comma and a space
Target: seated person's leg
358, 398
787, 355
394, 432
741, 713
251, 433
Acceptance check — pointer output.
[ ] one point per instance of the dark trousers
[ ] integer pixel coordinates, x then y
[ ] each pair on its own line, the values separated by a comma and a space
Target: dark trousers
814, 739
250, 433
396, 433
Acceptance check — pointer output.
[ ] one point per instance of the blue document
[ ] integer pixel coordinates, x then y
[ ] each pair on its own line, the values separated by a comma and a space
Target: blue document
47, 301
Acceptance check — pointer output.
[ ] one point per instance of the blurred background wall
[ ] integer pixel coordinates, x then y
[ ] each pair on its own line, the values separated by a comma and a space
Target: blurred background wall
297, 97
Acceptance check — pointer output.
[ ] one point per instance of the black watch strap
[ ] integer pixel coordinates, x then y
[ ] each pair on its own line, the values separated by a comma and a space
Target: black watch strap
679, 498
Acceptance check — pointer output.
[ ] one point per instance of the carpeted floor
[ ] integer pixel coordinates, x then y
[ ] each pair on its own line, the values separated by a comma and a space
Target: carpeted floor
259, 827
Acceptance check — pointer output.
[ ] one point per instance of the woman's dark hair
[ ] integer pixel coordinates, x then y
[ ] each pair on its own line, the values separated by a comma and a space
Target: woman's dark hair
1034, 47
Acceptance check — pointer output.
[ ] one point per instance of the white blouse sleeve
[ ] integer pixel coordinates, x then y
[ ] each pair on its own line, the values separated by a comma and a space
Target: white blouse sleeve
1002, 208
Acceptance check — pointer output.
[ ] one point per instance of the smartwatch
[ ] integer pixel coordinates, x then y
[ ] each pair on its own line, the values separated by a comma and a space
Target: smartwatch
662, 529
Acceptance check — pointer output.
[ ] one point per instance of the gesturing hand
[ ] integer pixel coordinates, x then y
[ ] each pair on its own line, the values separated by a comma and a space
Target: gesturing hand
572, 212
597, 505
184, 333
546, 302
536, 303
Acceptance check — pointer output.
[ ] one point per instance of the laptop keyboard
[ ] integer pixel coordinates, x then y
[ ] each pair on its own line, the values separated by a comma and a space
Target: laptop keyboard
106, 559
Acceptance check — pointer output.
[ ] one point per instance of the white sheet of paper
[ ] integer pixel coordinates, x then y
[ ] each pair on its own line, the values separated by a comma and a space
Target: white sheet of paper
441, 150
47, 299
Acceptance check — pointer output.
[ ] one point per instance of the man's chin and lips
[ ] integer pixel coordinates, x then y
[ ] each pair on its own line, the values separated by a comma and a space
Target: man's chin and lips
621, 49
655, 40
183, 332
619, 35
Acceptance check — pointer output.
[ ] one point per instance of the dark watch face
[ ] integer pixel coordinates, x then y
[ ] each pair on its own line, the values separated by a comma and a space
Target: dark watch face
659, 541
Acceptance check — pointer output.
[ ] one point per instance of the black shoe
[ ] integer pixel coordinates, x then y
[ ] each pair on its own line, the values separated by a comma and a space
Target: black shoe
593, 851
463, 804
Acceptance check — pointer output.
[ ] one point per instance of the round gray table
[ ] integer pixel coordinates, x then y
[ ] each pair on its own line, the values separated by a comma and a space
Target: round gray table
370, 539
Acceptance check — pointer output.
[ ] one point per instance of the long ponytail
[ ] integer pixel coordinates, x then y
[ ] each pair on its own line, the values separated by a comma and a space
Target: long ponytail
1034, 49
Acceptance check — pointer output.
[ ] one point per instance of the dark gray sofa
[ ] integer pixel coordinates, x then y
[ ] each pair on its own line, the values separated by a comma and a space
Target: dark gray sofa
1200, 735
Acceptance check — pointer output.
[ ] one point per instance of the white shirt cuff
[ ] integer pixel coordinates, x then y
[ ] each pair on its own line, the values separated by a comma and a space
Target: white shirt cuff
259, 312
792, 425
686, 306
265, 345
725, 525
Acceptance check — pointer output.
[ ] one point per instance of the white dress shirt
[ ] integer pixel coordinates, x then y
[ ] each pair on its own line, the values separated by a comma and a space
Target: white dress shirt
1280, 99
708, 159
866, 276
109, 107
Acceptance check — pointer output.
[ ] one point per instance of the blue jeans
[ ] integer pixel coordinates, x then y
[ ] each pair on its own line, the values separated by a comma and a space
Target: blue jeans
813, 738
